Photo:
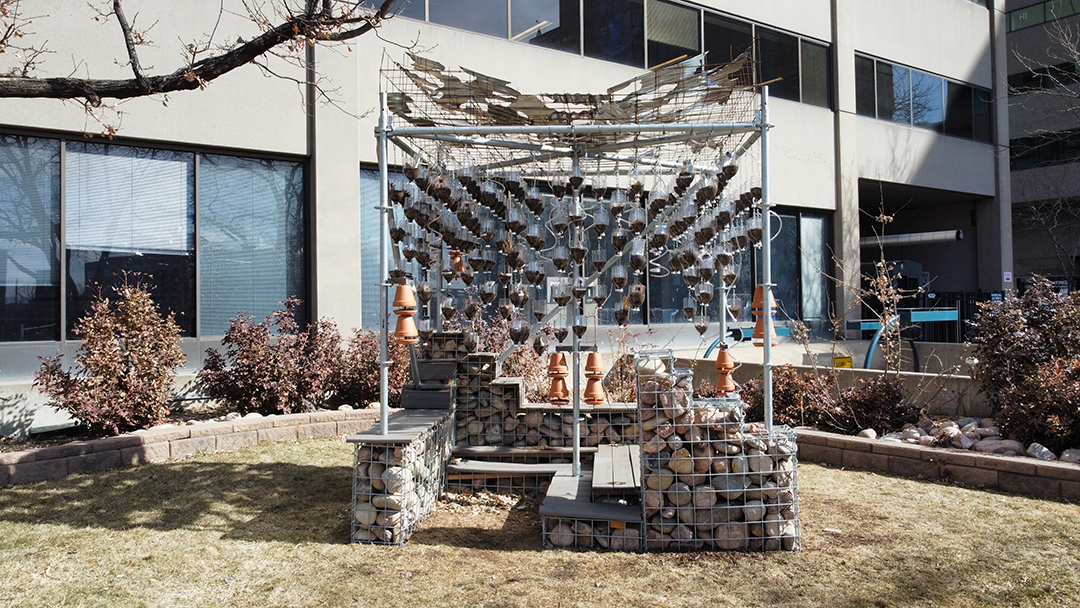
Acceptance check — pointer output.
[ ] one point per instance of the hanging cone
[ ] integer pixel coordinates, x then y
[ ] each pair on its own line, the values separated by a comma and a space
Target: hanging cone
558, 394
594, 391
405, 331
557, 366
404, 297
594, 365
724, 366
757, 309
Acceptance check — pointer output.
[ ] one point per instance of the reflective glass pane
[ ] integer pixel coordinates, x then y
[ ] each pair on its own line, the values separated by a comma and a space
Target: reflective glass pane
1056, 9
369, 249
726, 39
778, 60
615, 31
958, 105
813, 245
480, 16
130, 210
553, 24
413, 9
981, 115
1027, 17
926, 101
29, 237
674, 32
894, 93
251, 237
785, 266
865, 103
815, 74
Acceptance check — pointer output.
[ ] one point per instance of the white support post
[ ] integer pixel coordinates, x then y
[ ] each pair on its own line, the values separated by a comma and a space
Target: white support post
384, 265
766, 261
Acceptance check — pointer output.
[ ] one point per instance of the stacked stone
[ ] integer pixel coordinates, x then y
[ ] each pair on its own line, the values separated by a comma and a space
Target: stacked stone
396, 485
592, 534
491, 411
443, 346
709, 480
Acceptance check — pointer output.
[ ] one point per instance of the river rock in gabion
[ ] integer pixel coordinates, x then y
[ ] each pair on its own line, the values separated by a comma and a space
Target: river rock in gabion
583, 533
681, 462
397, 480
375, 471
625, 539
679, 494
365, 514
562, 535
657, 541
661, 480
704, 496
753, 510
730, 536
653, 501
730, 487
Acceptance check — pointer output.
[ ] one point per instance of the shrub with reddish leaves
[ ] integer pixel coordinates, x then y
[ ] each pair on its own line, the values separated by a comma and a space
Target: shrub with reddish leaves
358, 382
124, 368
271, 366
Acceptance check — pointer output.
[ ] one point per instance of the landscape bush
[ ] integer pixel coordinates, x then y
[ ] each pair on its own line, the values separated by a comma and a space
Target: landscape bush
1028, 349
815, 399
273, 367
124, 367
357, 382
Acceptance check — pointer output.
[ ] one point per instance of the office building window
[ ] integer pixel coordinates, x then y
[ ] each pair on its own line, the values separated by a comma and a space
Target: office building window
209, 234
778, 63
130, 210
726, 39
865, 89
413, 9
907, 96
815, 74
674, 32
553, 24
29, 239
480, 16
958, 110
251, 237
614, 30
927, 103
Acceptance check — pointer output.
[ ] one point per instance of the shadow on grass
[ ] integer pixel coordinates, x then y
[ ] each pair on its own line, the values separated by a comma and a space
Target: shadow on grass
520, 532
274, 502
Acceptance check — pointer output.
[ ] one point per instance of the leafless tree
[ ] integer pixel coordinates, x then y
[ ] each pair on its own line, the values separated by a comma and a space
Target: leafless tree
286, 28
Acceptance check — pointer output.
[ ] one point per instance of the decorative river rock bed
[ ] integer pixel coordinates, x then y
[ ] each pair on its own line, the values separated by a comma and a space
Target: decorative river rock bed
970, 433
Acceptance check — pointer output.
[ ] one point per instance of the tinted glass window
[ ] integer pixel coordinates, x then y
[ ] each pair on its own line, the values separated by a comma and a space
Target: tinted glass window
981, 115
481, 16
726, 39
958, 104
1056, 9
865, 104
926, 101
674, 32
553, 24
413, 9
815, 74
1032, 15
615, 31
29, 238
893, 92
130, 210
251, 237
778, 60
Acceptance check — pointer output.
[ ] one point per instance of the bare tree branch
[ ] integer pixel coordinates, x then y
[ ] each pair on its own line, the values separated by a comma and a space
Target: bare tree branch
310, 27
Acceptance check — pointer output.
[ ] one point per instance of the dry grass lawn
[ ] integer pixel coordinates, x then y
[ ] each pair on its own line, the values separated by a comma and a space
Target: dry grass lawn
267, 527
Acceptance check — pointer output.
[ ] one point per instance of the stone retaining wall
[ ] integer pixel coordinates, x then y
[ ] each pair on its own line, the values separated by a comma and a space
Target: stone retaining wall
1017, 474
163, 443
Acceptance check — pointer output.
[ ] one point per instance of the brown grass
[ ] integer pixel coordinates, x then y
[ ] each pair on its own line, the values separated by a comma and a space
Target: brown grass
267, 527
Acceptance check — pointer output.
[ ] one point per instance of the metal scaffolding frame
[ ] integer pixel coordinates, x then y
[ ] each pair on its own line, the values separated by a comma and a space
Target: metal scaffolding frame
464, 135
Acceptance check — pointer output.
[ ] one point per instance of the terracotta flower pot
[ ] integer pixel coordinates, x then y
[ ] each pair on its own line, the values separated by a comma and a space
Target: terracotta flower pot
724, 366
404, 297
594, 364
558, 394
594, 391
557, 365
405, 331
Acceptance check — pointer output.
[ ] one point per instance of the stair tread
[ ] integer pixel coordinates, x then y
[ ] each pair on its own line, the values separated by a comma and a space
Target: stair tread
569, 496
617, 470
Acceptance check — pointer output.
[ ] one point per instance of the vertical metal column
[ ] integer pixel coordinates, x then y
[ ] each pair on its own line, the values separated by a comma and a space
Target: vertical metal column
577, 348
766, 260
384, 265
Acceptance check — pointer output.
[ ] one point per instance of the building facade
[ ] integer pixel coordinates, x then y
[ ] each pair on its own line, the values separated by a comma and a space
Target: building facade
1044, 96
237, 196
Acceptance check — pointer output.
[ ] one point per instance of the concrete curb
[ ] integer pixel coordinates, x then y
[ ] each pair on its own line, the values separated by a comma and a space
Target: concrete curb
168, 442
1015, 474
